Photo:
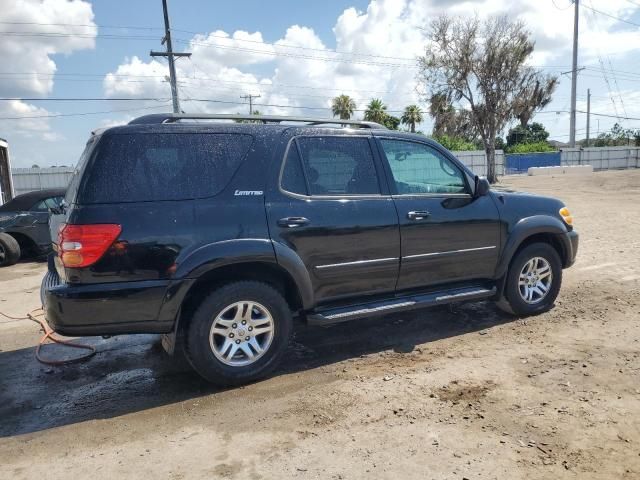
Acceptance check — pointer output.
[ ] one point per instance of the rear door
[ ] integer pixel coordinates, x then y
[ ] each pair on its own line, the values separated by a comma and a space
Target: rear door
447, 235
333, 208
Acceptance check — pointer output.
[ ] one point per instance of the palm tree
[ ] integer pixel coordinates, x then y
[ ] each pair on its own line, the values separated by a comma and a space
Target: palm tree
376, 111
343, 106
412, 115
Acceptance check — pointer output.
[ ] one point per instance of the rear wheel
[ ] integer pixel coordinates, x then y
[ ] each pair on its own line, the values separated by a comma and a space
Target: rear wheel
533, 281
238, 333
9, 250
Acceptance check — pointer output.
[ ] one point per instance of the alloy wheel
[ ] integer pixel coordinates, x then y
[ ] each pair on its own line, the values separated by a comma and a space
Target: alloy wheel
241, 333
534, 281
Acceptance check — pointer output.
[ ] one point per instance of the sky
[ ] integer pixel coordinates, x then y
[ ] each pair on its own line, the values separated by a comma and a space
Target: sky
296, 55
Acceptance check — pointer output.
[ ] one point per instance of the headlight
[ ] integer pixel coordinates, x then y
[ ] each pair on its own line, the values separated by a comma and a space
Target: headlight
566, 216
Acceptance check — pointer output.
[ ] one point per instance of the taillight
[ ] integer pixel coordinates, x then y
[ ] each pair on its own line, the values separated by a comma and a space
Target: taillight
83, 245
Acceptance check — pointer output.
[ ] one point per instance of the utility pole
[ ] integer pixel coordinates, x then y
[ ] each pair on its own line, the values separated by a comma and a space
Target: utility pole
250, 97
588, 115
574, 77
170, 54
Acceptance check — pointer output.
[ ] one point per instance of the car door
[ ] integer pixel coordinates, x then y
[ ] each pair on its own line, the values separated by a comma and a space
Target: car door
333, 208
446, 234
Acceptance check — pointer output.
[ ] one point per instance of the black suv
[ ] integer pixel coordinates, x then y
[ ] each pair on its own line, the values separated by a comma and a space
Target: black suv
222, 233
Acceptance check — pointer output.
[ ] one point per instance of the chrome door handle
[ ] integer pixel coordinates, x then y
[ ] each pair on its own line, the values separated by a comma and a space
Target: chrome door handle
293, 222
418, 214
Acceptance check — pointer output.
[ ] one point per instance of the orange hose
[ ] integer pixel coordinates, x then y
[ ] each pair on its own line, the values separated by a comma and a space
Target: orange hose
49, 335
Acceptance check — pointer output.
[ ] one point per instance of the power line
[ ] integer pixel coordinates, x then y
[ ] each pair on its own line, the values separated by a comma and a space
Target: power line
230, 102
250, 97
80, 114
561, 8
80, 99
171, 57
292, 55
77, 35
603, 70
91, 25
210, 35
612, 16
204, 44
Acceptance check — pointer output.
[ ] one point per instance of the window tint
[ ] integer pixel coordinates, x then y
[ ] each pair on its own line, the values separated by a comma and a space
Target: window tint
292, 175
177, 166
418, 168
338, 165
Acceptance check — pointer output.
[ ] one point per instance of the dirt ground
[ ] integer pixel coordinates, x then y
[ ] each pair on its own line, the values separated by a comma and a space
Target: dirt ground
450, 393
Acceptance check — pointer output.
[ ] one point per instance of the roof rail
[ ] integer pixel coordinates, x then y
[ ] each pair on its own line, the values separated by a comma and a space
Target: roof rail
158, 118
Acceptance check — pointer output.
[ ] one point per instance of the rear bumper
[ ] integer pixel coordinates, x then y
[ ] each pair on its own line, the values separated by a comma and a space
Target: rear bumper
148, 306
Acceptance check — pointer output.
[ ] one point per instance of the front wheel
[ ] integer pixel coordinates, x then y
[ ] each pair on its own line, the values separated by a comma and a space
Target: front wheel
533, 281
238, 333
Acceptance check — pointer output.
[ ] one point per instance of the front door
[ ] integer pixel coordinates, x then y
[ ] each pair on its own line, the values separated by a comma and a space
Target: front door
334, 211
447, 235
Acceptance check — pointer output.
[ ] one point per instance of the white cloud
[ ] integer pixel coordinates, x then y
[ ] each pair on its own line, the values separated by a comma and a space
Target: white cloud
27, 50
377, 44
241, 48
32, 125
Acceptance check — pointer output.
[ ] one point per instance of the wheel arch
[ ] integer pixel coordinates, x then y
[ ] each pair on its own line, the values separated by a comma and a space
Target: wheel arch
536, 229
270, 273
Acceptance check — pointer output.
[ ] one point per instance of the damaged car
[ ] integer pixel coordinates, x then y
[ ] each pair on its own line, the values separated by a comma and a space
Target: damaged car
24, 225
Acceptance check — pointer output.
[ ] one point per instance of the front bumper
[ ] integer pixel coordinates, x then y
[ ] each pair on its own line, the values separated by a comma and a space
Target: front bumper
571, 241
148, 306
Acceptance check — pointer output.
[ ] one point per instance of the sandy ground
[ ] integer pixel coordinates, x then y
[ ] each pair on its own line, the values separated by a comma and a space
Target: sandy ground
460, 392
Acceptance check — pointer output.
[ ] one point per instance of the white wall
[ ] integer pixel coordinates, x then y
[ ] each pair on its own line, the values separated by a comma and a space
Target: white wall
602, 158
29, 179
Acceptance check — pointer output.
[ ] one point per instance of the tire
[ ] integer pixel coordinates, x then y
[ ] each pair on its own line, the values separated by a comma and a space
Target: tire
537, 265
9, 250
216, 342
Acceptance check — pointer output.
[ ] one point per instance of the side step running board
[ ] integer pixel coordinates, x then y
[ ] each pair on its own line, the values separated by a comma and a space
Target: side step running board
398, 304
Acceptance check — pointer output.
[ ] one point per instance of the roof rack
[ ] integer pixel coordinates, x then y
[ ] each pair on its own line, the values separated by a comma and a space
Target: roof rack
158, 118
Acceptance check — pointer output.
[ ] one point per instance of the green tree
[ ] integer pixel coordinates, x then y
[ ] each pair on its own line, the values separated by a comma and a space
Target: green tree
455, 144
411, 115
343, 107
617, 136
376, 111
391, 122
534, 133
482, 66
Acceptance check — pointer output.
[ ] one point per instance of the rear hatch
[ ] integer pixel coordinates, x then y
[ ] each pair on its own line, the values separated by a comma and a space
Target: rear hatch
141, 196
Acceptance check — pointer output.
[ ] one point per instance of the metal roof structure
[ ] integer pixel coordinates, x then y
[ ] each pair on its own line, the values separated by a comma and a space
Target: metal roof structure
159, 118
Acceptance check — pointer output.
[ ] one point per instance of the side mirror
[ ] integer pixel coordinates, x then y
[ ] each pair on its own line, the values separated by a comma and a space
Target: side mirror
482, 186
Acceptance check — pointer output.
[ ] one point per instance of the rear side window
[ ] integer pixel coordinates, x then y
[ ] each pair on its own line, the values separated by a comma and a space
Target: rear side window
332, 166
292, 175
152, 167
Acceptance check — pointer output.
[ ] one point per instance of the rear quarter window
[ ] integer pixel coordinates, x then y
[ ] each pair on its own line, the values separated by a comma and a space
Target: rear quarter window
163, 166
